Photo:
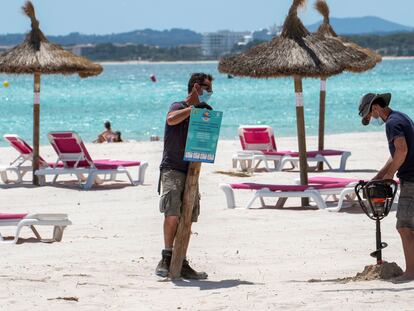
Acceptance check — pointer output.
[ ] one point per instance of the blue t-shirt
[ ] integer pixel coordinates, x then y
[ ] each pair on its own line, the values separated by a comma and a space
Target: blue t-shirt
400, 125
175, 137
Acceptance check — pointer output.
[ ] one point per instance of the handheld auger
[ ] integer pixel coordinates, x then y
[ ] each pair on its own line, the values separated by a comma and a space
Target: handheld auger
376, 198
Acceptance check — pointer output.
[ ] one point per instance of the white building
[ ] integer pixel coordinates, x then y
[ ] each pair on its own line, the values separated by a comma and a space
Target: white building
219, 43
77, 49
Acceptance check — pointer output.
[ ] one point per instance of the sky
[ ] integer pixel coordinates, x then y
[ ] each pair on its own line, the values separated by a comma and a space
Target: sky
59, 17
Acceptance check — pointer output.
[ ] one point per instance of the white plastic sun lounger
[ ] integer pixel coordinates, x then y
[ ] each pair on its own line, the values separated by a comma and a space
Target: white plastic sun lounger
76, 160
259, 146
23, 164
314, 192
58, 221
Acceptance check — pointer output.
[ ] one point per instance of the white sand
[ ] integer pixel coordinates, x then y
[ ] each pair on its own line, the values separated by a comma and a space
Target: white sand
256, 259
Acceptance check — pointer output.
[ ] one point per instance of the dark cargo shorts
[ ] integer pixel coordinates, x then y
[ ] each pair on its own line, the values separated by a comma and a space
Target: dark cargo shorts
405, 210
173, 183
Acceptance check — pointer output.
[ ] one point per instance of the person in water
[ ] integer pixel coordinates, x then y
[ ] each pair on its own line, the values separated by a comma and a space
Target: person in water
109, 136
106, 135
116, 137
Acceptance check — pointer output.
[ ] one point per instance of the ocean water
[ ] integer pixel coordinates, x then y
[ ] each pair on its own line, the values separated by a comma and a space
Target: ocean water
137, 107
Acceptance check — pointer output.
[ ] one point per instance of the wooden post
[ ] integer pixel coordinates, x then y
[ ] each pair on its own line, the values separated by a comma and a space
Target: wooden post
36, 122
300, 122
322, 100
182, 237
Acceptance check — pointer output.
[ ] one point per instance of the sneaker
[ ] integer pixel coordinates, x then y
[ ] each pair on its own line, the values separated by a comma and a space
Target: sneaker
190, 274
163, 266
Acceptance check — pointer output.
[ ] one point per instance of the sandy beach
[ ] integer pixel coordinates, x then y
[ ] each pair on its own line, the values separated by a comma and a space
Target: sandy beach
256, 259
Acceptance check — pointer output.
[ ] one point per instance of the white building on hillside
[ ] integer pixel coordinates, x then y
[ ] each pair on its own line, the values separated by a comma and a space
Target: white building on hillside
219, 43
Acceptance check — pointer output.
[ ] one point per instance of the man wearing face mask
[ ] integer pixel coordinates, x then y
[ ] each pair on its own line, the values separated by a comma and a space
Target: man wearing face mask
399, 129
174, 169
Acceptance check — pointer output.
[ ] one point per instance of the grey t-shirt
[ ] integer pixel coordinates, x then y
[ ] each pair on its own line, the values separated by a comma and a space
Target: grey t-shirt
175, 137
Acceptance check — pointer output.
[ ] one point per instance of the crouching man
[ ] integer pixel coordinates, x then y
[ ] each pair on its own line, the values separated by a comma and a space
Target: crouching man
374, 109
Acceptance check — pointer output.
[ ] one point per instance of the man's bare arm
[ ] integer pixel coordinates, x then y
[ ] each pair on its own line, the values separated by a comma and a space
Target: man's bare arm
178, 116
398, 159
383, 170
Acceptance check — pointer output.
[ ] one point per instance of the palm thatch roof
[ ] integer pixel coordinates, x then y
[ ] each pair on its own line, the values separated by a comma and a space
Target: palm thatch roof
326, 29
296, 52
37, 55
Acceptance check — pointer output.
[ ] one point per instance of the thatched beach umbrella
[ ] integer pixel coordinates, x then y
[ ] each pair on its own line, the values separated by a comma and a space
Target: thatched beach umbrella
297, 53
369, 62
36, 55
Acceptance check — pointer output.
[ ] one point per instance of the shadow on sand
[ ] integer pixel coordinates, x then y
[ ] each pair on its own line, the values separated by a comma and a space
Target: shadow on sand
210, 285
342, 281
72, 185
390, 289
29, 240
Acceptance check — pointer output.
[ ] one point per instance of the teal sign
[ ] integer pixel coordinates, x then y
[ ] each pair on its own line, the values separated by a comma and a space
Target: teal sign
203, 135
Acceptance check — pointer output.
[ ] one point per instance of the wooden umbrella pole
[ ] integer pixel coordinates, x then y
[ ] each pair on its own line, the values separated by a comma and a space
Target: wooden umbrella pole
36, 122
322, 100
182, 237
300, 122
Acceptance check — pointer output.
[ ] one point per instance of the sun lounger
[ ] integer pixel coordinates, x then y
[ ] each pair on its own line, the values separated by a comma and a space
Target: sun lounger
58, 221
322, 180
23, 163
76, 160
350, 183
283, 192
259, 145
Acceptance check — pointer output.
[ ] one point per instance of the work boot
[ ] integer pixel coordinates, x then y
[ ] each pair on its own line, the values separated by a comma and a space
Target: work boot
163, 267
190, 274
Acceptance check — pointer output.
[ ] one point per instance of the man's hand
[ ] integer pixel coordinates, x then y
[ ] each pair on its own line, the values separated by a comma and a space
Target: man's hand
387, 176
192, 99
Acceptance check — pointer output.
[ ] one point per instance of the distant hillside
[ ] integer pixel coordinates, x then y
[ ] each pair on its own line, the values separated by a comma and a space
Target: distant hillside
363, 25
165, 38
110, 52
397, 44
393, 44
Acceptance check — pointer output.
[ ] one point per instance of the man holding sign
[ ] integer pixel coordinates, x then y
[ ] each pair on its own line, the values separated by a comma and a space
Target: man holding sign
174, 169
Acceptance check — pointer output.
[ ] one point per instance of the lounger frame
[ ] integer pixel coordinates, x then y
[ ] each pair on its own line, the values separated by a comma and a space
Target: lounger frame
58, 221
19, 165
316, 195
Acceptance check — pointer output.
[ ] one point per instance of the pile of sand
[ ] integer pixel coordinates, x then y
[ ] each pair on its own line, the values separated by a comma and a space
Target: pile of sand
385, 271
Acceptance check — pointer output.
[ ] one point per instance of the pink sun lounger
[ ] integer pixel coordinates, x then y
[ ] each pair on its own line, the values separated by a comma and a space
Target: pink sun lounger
23, 163
58, 221
331, 180
315, 192
76, 160
259, 145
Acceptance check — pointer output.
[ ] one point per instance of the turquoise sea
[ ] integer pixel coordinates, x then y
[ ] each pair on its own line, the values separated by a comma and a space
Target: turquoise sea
137, 107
